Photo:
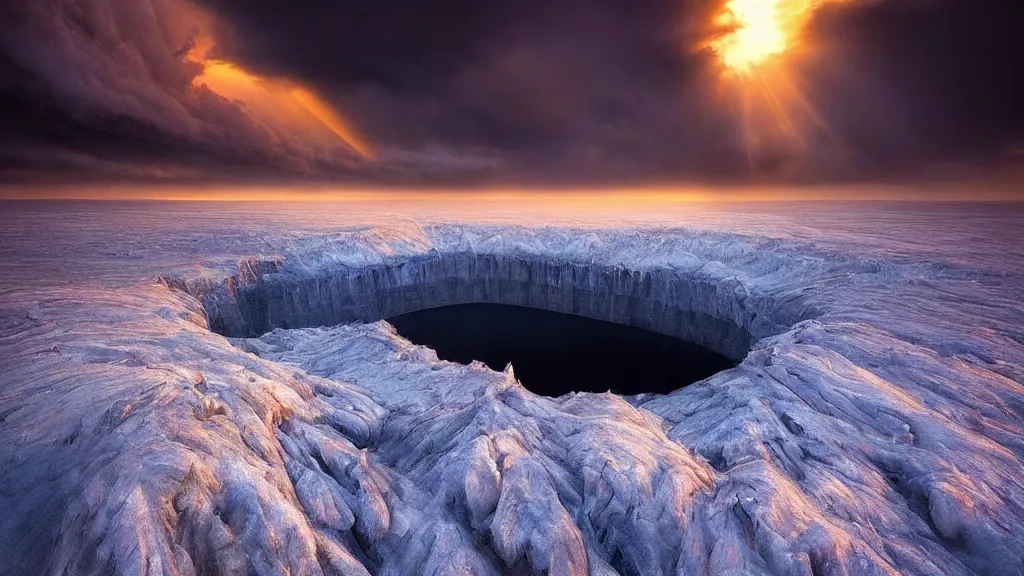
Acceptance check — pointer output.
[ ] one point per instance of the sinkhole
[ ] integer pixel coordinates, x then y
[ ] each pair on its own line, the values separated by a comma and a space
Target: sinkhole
555, 353
565, 326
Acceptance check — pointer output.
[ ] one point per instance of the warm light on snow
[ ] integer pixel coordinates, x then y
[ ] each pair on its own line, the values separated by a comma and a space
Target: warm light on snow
873, 423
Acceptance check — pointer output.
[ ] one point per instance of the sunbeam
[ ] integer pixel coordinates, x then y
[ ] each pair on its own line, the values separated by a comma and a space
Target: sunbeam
760, 41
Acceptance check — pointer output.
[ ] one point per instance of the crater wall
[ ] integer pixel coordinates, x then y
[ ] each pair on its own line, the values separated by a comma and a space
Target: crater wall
714, 312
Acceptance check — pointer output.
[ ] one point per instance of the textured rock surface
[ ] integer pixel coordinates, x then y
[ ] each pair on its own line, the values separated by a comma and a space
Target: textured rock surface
699, 303
874, 427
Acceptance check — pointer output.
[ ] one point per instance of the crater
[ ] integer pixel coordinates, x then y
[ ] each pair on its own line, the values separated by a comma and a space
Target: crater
564, 325
554, 354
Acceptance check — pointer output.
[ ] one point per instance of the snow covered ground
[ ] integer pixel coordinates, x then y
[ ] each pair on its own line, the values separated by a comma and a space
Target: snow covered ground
875, 427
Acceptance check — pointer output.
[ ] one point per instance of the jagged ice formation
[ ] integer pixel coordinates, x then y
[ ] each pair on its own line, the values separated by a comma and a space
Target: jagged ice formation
874, 425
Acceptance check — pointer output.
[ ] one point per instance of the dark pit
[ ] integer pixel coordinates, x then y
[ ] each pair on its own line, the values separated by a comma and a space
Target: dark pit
554, 354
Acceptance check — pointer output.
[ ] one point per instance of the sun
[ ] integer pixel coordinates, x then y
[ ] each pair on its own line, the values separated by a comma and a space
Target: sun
759, 31
762, 47
756, 34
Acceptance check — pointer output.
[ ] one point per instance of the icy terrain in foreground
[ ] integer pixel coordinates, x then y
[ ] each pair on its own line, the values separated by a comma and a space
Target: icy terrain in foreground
876, 425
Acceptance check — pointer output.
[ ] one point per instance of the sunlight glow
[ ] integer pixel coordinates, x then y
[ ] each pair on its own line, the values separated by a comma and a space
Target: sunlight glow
501, 203
330, 118
756, 34
279, 102
759, 30
761, 47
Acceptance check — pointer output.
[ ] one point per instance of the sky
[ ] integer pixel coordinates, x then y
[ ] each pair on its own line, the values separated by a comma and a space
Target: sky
510, 93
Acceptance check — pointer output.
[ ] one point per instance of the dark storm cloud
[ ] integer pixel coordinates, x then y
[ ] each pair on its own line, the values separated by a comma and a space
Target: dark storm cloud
564, 91
922, 82
617, 88
526, 91
101, 88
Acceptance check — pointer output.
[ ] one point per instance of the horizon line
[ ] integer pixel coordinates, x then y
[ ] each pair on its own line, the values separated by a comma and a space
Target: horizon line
940, 192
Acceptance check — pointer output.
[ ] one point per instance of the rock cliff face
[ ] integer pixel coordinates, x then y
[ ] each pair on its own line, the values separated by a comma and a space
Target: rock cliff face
713, 312
874, 425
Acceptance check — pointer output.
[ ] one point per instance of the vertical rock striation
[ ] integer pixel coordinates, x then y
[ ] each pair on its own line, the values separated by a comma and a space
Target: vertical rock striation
717, 313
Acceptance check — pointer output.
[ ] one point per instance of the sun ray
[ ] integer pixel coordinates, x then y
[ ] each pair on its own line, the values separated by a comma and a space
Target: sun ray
800, 99
759, 43
779, 111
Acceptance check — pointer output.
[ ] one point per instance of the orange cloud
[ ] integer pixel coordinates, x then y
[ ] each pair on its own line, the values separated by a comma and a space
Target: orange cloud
278, 101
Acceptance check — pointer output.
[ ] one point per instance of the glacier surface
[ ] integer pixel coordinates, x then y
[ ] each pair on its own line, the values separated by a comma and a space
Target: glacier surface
875, 424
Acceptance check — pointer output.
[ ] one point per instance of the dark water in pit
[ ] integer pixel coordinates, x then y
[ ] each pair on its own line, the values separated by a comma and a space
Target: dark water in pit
554, 354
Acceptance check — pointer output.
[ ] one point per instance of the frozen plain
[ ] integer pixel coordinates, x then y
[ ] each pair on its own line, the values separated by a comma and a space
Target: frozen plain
876, 425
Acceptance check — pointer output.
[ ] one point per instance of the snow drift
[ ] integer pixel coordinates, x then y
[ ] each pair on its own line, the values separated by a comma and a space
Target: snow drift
873, 427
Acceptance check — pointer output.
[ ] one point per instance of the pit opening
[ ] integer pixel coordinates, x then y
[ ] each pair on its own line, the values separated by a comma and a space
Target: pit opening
554, 353
564, 325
